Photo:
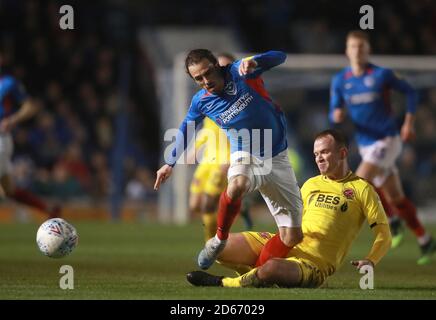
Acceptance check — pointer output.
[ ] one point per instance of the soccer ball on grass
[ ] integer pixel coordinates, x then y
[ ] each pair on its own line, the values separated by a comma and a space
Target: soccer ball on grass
56, 238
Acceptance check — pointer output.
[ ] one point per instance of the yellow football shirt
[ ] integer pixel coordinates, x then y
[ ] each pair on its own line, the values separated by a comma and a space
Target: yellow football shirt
215, 141
334, 212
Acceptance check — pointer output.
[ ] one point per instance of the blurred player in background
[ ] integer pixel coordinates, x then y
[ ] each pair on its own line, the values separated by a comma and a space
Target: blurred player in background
210, 176
336, 204
364, 88
15, 107
237, 105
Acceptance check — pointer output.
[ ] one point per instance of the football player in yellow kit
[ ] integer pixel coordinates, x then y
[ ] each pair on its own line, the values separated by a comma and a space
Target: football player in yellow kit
336, 205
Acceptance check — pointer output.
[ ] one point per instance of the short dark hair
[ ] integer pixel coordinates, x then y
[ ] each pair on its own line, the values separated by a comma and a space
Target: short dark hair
196, 55
359, 34
340, 138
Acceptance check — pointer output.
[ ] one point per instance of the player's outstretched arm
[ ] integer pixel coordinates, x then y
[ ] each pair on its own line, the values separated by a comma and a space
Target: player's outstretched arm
380, 247
247, 66
269, 59
162, 175
256, 65
398, 83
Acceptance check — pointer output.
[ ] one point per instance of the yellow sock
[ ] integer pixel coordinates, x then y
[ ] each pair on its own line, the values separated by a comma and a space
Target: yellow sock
209, 222
248, 279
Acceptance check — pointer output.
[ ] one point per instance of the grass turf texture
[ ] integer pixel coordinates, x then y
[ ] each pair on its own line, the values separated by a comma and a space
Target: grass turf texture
149, 261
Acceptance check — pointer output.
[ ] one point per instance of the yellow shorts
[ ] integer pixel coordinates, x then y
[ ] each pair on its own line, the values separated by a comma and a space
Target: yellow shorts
208, 178
311, 275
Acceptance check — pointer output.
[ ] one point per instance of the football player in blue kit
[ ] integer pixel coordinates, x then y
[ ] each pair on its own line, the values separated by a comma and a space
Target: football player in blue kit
363, 90
234, 97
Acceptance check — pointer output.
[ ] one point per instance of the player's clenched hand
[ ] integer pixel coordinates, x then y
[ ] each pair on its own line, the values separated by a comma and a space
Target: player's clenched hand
247, 66
408, 133
162, 175
360, 263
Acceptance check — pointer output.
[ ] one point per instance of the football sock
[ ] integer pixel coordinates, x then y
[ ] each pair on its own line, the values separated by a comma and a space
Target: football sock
274, 248
227, 211
407, 211
209, 223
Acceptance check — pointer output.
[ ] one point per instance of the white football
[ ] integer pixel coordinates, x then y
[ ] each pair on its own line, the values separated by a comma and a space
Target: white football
56, 238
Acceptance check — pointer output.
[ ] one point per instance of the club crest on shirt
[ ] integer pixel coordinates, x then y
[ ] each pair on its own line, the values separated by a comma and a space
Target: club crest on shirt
230, 88
369, 81
348, 193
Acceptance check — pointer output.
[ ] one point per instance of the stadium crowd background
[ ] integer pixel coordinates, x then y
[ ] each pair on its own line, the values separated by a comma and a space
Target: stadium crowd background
65, 152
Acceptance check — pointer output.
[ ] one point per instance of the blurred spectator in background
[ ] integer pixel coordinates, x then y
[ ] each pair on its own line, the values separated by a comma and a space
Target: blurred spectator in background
73, 162
140, 187
73, 74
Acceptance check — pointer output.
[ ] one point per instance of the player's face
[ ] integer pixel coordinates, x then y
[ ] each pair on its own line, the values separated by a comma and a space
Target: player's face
207, 75
357, 50
328, 156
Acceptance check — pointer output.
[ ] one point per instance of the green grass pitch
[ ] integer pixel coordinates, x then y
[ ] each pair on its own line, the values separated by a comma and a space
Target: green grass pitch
149, 261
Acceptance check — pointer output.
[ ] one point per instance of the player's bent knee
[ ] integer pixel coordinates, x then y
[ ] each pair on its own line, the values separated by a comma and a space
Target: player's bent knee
237, 187
266, 272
